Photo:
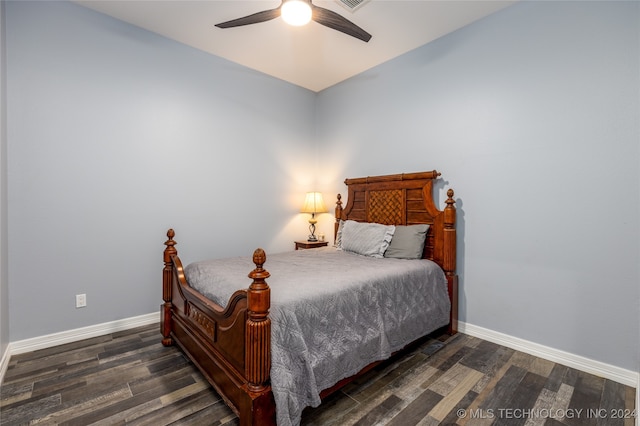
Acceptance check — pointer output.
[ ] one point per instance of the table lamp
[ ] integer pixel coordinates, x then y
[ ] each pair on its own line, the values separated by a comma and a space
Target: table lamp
313, 204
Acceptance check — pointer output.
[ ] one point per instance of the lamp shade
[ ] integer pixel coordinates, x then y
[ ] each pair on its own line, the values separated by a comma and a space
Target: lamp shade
296, 12
313, 203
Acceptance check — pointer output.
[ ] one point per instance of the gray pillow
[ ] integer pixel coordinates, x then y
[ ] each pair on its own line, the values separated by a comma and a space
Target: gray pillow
407, 242
366, 239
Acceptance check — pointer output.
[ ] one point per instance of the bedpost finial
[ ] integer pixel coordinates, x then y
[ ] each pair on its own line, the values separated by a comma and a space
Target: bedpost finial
259, 257
450, 199
259, 274
170, 242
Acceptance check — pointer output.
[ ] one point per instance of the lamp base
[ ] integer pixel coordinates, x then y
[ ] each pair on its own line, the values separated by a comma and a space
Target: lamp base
312, 228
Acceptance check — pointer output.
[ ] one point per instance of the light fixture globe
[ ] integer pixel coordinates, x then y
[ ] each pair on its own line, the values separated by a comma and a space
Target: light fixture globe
296, 12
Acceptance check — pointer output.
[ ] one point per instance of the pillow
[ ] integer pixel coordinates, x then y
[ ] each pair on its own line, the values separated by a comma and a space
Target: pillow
407, 242
366, 239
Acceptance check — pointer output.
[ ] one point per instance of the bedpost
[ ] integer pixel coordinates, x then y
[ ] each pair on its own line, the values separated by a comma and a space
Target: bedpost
167, 277
450, 258
258, 335
338, 213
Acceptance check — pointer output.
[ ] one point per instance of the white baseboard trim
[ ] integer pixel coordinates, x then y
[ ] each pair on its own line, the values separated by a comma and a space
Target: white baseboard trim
608, 371
88, 332
4, 363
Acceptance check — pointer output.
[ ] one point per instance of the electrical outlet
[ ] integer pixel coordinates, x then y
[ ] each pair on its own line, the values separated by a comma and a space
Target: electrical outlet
81, 300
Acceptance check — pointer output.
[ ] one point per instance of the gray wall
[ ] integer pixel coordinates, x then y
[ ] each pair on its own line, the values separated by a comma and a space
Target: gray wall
531, 114
116, 135
532, 117
4, 282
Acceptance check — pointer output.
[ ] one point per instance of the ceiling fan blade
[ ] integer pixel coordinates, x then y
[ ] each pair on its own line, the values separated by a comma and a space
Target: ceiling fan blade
265, 15
330, 19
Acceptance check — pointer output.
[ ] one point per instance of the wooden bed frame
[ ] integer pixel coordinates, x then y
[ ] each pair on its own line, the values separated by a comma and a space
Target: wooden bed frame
232, 346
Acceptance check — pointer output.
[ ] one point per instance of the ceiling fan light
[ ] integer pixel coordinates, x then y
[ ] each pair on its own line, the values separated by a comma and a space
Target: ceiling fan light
296, 12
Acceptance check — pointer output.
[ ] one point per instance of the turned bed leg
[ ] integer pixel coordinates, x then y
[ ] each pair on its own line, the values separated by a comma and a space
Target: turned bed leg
449, 262
258, 335
167, 280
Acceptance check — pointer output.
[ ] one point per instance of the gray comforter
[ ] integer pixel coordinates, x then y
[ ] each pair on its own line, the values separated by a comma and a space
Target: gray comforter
332, 313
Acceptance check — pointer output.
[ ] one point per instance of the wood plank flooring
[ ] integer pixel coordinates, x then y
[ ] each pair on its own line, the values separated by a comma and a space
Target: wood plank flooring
130, 378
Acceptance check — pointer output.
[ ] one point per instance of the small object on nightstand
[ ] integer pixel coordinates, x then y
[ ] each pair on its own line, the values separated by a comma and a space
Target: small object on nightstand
310, 244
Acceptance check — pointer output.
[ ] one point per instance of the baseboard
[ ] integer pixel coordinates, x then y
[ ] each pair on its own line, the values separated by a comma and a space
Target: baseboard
611, 372
70, 336
4, 363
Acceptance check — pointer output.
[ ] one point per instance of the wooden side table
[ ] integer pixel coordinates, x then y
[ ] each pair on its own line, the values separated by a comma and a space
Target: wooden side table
310, 244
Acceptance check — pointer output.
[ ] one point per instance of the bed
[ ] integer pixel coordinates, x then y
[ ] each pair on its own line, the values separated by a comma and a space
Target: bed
256, 347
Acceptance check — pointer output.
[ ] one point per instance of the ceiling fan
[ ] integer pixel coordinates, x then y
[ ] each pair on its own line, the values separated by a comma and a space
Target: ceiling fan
318, 14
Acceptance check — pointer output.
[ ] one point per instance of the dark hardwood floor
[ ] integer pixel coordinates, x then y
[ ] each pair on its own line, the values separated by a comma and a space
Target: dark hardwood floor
130, 378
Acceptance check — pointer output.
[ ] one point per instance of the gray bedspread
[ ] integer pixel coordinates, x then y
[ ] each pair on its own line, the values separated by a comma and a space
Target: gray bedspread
332, 313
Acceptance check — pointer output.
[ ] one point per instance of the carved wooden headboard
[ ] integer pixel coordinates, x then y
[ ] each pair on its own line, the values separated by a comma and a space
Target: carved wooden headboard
404, 199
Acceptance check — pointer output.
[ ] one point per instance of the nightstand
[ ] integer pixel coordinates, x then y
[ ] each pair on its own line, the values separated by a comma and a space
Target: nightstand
310, 244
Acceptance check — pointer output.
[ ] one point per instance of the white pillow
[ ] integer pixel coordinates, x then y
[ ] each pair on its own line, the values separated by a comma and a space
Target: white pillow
366, 239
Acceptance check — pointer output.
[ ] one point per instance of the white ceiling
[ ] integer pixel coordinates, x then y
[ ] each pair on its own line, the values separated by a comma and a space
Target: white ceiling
314, 57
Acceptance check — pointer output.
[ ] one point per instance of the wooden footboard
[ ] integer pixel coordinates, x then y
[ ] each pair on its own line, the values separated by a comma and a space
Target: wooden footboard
230, 346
